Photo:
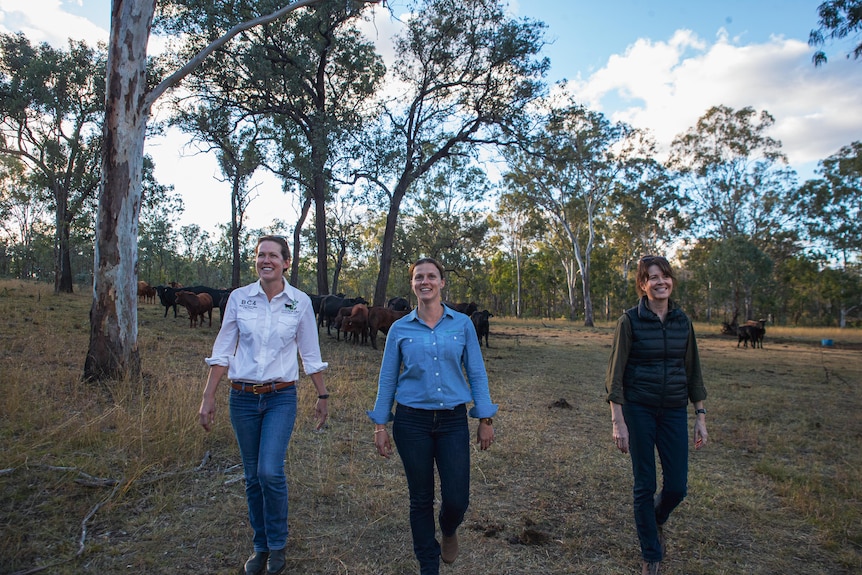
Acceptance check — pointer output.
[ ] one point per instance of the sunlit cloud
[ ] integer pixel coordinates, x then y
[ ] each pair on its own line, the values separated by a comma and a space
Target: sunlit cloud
666, 86
47, 21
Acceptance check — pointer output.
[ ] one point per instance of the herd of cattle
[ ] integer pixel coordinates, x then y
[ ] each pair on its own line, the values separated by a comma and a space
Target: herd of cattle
352, 317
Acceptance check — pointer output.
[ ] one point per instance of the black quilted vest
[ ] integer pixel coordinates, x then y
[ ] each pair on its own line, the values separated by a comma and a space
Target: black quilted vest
655, 371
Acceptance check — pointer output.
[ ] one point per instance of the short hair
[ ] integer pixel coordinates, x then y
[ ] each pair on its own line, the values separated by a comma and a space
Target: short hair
644, 265
421, 261
280, 240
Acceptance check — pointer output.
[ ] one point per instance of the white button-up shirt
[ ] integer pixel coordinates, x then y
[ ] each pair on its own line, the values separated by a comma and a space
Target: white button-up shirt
259, 339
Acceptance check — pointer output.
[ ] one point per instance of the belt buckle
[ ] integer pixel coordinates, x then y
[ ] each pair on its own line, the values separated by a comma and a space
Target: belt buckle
257, 388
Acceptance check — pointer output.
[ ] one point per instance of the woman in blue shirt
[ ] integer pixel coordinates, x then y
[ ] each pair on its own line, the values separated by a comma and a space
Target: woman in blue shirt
427, 354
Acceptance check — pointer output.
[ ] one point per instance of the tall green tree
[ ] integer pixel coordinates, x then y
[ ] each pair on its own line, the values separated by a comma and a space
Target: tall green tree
568, 169
735, 178
464, 74
838, 19
310, 78
51, 112
831, 205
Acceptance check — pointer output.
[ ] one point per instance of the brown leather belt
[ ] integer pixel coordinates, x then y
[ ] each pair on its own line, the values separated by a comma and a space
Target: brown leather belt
258, 388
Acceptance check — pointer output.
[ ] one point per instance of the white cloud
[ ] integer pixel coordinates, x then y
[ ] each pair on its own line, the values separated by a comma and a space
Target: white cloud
46, 21
667, 86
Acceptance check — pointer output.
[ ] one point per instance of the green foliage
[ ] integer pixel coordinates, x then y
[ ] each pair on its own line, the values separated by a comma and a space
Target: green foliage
831, 206
838, 19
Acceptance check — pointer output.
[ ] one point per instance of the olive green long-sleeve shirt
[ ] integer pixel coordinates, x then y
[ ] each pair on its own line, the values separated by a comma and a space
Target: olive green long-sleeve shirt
620, 355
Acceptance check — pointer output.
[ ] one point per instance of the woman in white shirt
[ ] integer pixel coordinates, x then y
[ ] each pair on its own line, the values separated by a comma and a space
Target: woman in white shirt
265, 325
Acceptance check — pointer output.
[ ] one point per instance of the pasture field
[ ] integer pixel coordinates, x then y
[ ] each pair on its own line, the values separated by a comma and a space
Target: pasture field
119, 478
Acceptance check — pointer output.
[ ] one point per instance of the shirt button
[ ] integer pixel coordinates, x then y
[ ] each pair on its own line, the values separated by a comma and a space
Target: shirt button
436, 374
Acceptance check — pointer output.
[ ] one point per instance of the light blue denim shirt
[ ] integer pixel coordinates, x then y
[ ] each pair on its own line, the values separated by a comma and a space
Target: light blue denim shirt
425, 368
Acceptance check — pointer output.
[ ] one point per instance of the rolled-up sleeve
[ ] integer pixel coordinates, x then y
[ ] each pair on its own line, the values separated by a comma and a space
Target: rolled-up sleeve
224, 347
308, 340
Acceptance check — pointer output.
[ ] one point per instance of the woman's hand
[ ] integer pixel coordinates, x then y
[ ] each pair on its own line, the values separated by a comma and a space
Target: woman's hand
700, 434
321, 412
485, 435
621, 434
381, 442
206, 413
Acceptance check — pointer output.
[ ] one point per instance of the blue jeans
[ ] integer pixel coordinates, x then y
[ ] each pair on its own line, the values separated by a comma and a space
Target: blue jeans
664, 430
425, 437
263, 425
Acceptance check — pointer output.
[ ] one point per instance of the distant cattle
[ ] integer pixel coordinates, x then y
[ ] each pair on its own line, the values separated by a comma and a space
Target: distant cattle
337, 322
197, 304
751, 331
146, 292
467, 309
381, 319
482, 325
356, 323
167, 296
329, 306
398, 304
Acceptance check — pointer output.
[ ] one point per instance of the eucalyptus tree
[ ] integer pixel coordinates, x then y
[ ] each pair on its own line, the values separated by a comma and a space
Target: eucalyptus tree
464, 73
23, 216
51, 112
735, 178
238, 146
130, 96
309, 77
831, 206
568, 167
838, 19
514, 228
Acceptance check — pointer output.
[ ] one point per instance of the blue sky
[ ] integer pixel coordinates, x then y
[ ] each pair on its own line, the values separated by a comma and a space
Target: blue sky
656, 64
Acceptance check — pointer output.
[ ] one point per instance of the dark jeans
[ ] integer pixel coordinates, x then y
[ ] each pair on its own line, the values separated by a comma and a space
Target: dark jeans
263, 425
425, 437
665, 430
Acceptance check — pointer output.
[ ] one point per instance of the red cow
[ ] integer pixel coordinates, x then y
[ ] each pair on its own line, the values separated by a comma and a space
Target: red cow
356, 323
197, 305
381, 319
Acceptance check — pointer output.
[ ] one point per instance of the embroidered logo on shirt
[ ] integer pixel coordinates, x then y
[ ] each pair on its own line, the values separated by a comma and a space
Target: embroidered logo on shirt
291, 307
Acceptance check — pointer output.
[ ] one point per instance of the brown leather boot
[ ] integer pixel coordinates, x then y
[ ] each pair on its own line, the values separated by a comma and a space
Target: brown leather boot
449, 548
651, 568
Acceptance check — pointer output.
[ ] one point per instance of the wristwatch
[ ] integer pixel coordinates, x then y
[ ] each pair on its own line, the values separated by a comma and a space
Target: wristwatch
487, 420
699, 411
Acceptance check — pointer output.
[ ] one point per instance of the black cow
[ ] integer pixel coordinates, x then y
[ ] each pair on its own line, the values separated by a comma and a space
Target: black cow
329, 307
480, 321
752, 331
398, 304
168, 296
467, 309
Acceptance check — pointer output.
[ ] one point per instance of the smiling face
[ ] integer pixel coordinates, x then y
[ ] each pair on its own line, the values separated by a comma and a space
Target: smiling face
658, 285
270, 261
427, 283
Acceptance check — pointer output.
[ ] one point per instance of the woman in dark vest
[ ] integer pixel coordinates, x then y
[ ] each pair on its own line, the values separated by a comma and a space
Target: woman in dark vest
653, 374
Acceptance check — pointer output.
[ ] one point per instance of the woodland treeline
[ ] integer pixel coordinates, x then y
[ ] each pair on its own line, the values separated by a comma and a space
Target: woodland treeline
456, 149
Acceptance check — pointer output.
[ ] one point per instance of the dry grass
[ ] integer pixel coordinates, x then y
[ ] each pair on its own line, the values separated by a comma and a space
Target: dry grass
777, 490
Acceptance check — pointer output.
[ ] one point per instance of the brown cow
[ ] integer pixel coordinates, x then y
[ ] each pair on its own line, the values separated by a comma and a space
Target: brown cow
381, 319
197, 305
145, 292
356, 323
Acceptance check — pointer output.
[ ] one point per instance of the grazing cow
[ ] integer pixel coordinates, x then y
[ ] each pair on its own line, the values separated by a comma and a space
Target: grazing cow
338, 321
329, 306
398, 304
167, 295
356, 323
480, 321
753, 331
467, 309
381, 319
146, 292
197, 304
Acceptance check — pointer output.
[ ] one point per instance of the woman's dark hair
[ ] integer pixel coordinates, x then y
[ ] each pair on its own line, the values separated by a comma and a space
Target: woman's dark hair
421, 261
285, 249
644, 265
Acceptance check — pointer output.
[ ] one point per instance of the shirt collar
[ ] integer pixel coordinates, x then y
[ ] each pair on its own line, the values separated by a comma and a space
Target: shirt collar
287, 290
